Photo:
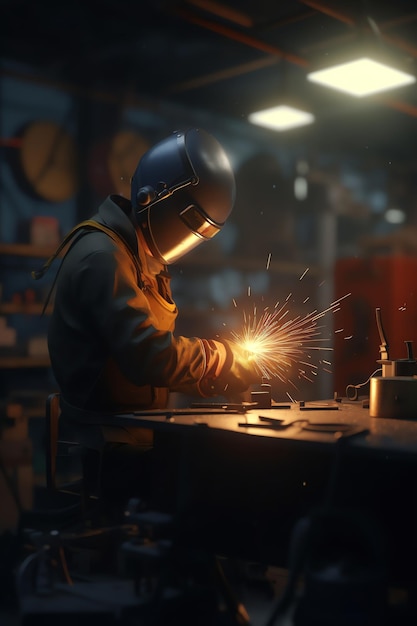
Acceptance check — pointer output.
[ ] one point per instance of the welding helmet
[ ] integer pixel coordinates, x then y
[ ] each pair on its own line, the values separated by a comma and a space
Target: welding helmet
183, 190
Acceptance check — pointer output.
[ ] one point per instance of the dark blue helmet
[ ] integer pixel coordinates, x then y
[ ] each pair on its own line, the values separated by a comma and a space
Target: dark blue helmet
183, 190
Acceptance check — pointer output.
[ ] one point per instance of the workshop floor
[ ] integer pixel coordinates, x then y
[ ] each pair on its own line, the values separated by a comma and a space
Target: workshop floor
256, 592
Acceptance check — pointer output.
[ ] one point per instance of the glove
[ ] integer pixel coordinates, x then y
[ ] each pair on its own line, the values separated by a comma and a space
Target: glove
236, 375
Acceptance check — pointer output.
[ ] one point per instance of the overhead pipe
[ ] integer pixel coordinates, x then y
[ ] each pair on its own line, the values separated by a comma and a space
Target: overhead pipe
231, 72
398, 21
350, 21
242, 19
330, 11
216, 8
398, 105
247, 40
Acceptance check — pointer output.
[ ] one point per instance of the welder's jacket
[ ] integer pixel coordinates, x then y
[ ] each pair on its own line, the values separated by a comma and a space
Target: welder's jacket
111, 340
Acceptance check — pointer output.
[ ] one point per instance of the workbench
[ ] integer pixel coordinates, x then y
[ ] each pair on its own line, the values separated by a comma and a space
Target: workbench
238, 478
310, 424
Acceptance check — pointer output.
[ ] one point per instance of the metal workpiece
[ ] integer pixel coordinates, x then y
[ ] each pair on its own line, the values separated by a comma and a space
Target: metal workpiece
393, 397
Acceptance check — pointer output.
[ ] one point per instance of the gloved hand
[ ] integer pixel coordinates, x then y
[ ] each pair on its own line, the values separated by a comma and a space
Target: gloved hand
237, 374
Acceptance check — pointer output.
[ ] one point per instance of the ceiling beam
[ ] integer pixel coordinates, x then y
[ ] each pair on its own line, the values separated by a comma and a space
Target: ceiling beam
231, 72
330, 11
350, 21
221, 10
246, 40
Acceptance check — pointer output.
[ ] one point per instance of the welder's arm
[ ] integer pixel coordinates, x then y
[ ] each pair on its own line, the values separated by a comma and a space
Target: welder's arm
120, 316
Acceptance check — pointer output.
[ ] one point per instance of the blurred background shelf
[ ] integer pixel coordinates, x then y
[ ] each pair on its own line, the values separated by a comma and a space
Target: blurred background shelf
25, 249
24, 362
11, 308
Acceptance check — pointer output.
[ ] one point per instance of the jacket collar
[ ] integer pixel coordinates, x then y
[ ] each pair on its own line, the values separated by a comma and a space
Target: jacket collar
115, 213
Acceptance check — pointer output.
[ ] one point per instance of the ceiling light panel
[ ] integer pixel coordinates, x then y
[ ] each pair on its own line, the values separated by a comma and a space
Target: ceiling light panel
280, 118
362, 77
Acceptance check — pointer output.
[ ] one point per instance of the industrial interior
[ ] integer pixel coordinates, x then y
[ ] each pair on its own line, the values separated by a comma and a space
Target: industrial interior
293, 500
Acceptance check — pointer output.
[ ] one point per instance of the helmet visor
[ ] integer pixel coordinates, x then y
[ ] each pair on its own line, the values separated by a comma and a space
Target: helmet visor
199, 223
172, 233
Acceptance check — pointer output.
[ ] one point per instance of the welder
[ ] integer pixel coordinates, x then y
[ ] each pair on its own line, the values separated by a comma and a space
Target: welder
111, 336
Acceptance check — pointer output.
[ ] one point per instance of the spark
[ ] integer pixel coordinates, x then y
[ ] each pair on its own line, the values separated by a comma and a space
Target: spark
268, 261
303, 274
309, 364
276, 341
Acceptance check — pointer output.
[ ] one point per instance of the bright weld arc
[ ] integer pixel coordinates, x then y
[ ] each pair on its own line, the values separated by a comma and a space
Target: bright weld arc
276, 346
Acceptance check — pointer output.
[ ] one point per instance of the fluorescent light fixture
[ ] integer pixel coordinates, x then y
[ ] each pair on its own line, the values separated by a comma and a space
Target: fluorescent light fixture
281, 117
362, 77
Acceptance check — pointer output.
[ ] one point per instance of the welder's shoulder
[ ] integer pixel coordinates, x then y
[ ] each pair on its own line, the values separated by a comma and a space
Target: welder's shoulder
93, 243
94, 250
